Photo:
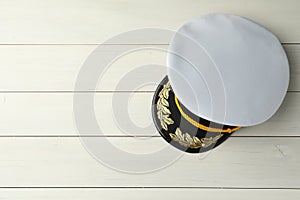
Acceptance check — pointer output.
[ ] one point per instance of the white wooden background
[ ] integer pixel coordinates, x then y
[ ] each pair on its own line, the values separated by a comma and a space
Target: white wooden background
43, 46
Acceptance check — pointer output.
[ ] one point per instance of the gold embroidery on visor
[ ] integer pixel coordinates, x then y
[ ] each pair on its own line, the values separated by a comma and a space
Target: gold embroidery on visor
193, 142
163, 112
186, 140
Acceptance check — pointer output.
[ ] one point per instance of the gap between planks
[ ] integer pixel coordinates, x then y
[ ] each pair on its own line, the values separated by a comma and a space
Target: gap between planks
116, 44
162, 187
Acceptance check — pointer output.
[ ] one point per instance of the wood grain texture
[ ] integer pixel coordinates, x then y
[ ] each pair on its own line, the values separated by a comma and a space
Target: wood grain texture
92, 22
55, 68
146, 194
51, 114
44, 44
64, 162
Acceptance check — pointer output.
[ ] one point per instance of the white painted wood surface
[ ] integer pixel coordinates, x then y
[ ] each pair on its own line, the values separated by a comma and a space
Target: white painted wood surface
147, 194
64, 162
43, 45
92, 22
56, 67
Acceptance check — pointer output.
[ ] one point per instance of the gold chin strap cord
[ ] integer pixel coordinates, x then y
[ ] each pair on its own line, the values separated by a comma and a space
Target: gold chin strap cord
193, 122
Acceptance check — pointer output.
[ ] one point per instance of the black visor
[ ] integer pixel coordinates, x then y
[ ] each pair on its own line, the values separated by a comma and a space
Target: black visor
180, 127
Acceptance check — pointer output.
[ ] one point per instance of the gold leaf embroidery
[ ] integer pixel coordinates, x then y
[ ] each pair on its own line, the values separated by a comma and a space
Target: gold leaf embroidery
163, 112
193, 142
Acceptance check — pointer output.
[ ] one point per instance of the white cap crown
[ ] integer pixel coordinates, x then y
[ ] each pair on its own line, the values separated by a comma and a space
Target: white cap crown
228, 69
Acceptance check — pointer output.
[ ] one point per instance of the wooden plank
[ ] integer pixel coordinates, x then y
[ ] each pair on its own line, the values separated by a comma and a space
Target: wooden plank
85, 22
55, 68
293, 52
64, 162
147, 194
51, 114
